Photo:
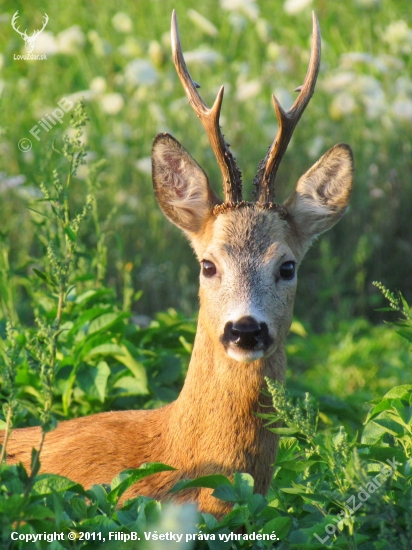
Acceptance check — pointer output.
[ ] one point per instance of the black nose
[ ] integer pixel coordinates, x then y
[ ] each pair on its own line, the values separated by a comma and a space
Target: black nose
246, 333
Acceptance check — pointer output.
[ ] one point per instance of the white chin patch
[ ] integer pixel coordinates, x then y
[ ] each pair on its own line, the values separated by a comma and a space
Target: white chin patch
245, 355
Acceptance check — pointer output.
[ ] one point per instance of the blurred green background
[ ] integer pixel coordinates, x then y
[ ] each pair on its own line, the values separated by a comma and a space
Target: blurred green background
117, 56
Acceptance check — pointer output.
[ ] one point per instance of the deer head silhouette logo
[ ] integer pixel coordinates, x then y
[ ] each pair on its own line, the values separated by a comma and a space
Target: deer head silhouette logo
29, 40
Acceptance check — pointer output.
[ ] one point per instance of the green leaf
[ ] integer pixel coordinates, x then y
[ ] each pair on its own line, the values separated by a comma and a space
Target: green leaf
41, 274
135, 367
372, 433
129, 477
398, 391
405, 333
93, 380
298, 465
281, 526
105, 349
226, 493
211, 481
243, 485
70, 233
284, 431
128, 385
47, 484
105, 321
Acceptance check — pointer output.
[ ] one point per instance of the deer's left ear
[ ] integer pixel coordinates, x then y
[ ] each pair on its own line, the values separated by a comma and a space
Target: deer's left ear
322, 194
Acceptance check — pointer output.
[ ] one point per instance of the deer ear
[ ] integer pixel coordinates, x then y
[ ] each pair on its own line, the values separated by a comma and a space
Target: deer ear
181, 186
322, 194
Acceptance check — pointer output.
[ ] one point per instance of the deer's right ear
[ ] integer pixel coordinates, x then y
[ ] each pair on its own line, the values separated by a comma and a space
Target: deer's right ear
181, 186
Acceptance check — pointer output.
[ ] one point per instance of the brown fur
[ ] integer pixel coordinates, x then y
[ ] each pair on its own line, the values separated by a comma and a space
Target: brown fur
212, 427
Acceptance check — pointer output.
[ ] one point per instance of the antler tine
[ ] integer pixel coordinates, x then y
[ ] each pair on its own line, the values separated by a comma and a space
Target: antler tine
232, 177
266, 174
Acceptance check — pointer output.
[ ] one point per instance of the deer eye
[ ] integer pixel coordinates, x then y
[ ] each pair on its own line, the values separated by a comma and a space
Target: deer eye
208, 268
287, 271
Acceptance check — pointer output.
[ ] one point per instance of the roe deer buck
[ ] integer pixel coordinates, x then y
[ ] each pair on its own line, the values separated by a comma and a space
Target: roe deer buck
249, 254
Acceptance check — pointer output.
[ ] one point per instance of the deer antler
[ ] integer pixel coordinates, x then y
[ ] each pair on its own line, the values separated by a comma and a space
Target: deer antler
232, 177
265, 177
13, 22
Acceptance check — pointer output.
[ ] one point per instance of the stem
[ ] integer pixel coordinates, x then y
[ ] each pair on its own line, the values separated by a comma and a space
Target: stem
6, 437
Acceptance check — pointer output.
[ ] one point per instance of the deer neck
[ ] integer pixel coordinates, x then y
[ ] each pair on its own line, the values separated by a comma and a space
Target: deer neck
214, 417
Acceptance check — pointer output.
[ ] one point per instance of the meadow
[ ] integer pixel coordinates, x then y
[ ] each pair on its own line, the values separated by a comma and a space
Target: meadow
98, 292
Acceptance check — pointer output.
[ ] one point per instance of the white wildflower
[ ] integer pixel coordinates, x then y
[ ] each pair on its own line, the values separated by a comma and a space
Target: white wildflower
204, 24
237, 21
98, 85
156, 53
315, 147
203, 56
131, 48
112, 103
45, 44
10, 182
292, 7
70, 41
122, 22
87, 95
348, 60
284, 98
338, 82
343, 104
247, 90
248, 7
263, 29
100, 47
402, 109
390, 62
399, 37
403, 86
144, 165
140, 71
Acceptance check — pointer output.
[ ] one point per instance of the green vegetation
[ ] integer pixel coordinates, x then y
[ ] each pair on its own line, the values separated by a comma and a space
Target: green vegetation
87, 262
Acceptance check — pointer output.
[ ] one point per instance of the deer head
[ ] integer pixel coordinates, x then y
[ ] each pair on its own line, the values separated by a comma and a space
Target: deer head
29, 40
249, 253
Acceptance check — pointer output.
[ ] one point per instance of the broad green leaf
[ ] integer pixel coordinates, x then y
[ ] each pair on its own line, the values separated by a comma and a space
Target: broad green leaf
405, 333
243, 485
381, 454
297, 465
384, 405
135, 367
47, 484
226, 493
128, 385
398, 391
388, 421
105, 321
93, 380
129, 477
105, 349
372, 433
281, 526
98, 524
297, 328
211, 481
